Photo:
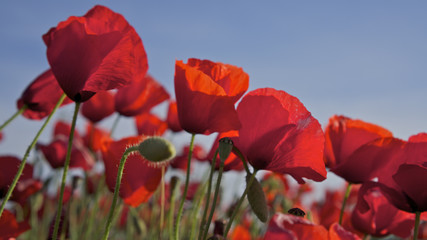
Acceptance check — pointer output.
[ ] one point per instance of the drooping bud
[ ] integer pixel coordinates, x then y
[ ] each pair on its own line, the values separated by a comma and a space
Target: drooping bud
157, 150
297, 212
225, 147
257, 200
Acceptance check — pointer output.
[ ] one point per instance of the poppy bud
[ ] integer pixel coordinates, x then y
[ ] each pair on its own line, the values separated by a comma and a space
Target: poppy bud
257, 200
225, 147
296, 212
157, 150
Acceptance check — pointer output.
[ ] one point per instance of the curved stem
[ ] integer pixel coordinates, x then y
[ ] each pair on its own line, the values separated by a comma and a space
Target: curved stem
417, 224
187, 180
64, 173
236, 210
19, 112
347, 194
208, 195
27, 152
117, 188
240, 155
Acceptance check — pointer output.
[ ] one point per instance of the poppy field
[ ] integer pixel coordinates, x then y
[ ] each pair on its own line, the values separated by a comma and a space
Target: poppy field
142, 187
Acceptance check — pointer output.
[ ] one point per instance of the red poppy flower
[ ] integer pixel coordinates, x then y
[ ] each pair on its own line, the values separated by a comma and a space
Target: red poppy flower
98, 107
205, 94
240, 233
26, 185
95, 137
140, 96
343, 136
41, 96
337, 232
10, 228
286, 226
63, 129
181, 161
172, 118
139, 181
376, 216
55, 153
150, 125
96, 52
280, 135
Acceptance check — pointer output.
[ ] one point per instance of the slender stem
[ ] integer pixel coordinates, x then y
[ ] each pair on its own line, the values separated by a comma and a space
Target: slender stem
64, 173
19, 112
184, 195
240, 155
239, 203
347, 194
117, 188
27, 152
116, 121
199, 195
162, 202
172, 209
94, 211
417, 224
208, 195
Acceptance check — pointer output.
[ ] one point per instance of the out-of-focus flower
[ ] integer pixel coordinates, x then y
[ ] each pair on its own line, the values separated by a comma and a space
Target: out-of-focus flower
206, 93
150, 125
343, 137
240, 233
337, 232
41, 96
172, 118
376, 216
96, 52
98, 107
140, 96
140, 180
95, 137
10, 228
279, 134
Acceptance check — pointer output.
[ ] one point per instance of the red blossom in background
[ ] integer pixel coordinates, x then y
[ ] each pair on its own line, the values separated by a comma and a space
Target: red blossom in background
140, 96
98, 107
95, 137
139, 181
343, 137
64, 129
41, 96
337, 232
206, 93
279, 134
10, 228
26, 185
96, 52
150, 125
376, 216
172, 118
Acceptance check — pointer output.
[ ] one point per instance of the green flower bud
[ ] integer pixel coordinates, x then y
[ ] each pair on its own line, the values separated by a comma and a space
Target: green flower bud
225, 147
157, 150
257, 200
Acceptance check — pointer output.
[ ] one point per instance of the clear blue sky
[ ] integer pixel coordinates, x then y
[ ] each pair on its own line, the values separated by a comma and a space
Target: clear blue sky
363, 59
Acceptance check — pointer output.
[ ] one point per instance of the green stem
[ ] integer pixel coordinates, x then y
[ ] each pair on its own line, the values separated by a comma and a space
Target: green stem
199, 196
208, 195
417, 224
240, 155
218, 185
162, 202
19, 112
64, 173
94, 210
184, 195
347, 194
172, 208
236, 209
27, 152
117, 188
116, 121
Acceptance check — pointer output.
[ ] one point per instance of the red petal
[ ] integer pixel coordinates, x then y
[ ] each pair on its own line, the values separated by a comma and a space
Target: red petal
411, 179
337, 232
150, 125
172, 119
9, 227
139, 181
140, 96
100, 106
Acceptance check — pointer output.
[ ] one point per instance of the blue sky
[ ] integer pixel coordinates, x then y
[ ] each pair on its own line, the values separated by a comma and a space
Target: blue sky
363, 59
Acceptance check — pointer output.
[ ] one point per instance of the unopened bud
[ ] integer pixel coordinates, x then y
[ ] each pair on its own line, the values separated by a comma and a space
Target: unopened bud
157, 150
225, 147
257, 200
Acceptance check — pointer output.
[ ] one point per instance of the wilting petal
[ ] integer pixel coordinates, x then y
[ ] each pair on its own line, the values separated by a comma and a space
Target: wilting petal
150, 125
98, 107
172, 118
41, 96
280, 135
139, 181
376, 216
210, 91
96, 52
344, 135
140, 96
286, 226
10, 228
